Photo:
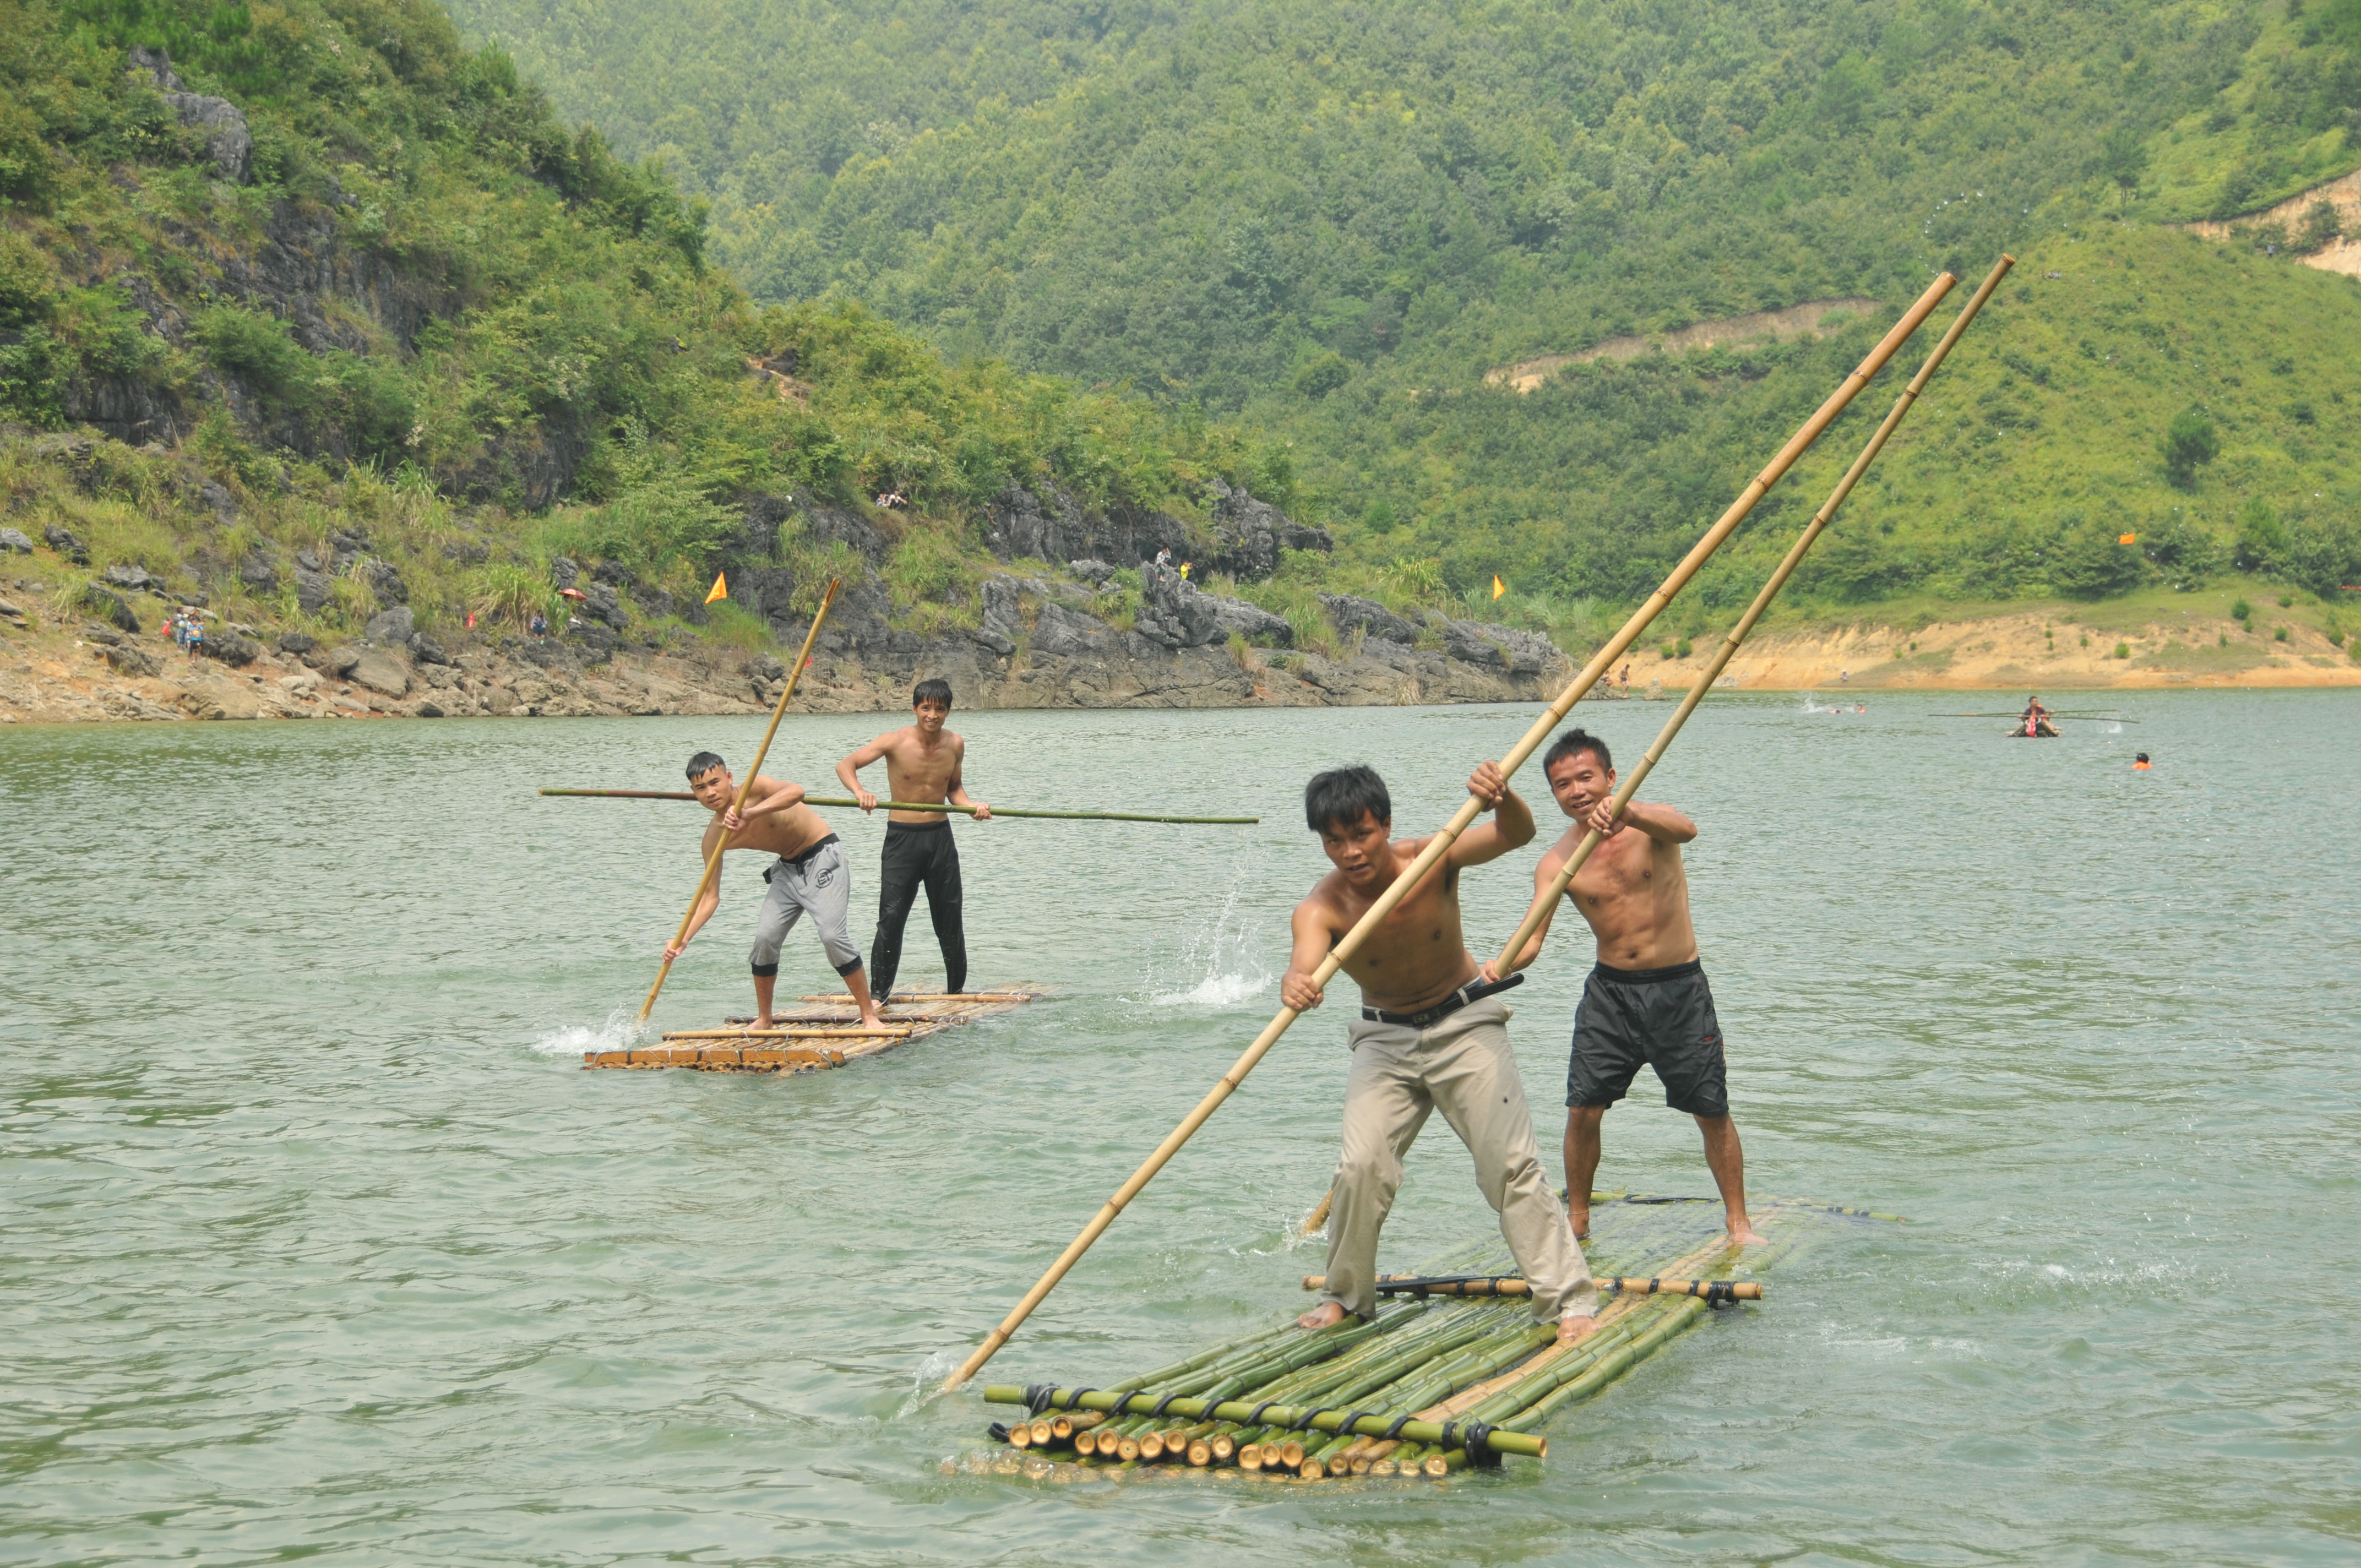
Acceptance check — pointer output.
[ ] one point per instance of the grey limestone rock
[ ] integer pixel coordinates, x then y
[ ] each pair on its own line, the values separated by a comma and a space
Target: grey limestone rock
109, 607
66, 544
1090, 571
297, 643
341, 663
615, 573
1069, 633
259, 571
130, 579
1497, 647
1000, 622
391, 628
426, 651
1178, 613
1253, 532
564, 572
232, 648
313, 589
217, 497
379, 670
602, 601
228, 144
1253, 622
130, 659
104, 636
1369, 616
384, 581
12, 541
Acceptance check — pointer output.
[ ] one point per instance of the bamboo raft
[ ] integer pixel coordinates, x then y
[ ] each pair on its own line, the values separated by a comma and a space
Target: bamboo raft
820, 1032
1453, 1372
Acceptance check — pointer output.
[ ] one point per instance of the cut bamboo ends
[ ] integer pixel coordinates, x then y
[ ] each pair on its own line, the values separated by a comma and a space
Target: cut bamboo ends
1440, 842
713, 862
1711, 1290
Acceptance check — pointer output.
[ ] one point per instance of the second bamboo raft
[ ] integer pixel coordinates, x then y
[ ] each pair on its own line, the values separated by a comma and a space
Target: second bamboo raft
816, 1032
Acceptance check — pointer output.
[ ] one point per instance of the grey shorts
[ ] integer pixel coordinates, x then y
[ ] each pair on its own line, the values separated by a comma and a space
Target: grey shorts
816, 882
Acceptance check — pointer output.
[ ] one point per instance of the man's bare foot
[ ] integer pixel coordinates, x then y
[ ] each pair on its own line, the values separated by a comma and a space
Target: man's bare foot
763, 1023
1326, 1315
872, 1019
1742, 1233
1574, 1331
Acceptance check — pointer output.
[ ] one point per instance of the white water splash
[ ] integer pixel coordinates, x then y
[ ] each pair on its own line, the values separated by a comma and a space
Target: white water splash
1812, 704
1217, 966
620, 1032
927, 1384
2113, 727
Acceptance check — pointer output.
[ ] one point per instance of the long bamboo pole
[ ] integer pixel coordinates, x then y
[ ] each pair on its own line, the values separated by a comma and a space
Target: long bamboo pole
1437, 846
925, 806
713, 862
1547, 899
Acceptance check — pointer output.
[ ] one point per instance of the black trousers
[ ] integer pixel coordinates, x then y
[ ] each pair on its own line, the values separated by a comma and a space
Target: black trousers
917, 855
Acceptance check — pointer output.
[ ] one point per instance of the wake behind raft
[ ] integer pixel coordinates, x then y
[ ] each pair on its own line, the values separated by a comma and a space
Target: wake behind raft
1453, 1373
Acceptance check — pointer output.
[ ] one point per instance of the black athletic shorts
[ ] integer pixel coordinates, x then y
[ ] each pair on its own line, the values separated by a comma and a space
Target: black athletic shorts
1661, 1016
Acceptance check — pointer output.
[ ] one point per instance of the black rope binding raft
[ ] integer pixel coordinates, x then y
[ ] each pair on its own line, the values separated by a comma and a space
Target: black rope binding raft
1475, 1437
1039, 1395
1158, 1413
1303, 1422
1255, 1420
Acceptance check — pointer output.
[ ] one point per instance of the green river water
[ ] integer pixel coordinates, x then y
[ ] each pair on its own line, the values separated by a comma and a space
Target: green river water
315, 1241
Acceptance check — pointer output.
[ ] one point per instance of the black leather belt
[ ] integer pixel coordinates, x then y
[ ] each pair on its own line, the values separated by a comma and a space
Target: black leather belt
1473, 990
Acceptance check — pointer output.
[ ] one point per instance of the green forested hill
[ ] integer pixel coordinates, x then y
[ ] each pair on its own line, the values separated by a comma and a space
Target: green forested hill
1332, 217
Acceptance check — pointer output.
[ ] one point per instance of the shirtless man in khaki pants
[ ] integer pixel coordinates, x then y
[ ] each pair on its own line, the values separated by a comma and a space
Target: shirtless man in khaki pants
1647, 1000
1430, 1036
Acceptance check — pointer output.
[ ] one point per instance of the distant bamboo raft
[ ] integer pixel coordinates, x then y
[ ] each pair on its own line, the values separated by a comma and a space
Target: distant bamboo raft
1437, 1382
823, 1031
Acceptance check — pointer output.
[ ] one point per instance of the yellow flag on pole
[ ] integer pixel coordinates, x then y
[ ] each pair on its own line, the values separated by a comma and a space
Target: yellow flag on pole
1498, 587
720, 588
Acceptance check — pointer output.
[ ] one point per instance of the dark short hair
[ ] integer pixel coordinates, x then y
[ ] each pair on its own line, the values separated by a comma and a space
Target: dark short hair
935, 689
1341, 795
1571, 743
703, 764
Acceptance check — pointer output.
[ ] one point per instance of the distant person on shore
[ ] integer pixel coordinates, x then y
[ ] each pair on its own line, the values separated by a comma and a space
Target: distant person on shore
808, 878
923, 766
1164, 556
1430, 1036
1647, 1000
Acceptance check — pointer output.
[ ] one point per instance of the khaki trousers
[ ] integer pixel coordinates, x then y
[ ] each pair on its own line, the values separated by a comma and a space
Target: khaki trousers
1462, 1066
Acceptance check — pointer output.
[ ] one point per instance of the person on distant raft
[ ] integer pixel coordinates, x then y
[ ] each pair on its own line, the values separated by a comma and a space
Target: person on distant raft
1647, 1000
809, 878
923, 762
2036, 718
1430, 1036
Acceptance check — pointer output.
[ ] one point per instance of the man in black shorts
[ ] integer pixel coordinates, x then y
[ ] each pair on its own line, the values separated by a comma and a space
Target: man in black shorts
1647, 1001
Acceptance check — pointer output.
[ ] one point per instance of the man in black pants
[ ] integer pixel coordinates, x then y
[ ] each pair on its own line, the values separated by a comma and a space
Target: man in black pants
1647, 1001
922, 767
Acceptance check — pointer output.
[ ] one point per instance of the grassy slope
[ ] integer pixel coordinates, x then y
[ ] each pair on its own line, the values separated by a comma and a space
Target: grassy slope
1336, 217
561, 294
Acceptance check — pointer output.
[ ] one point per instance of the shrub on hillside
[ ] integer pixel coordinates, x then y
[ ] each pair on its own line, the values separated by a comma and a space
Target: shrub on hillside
2091, 561
2188, 445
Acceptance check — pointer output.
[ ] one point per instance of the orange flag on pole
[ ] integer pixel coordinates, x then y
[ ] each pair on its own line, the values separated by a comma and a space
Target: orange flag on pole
720, 588
1498, 587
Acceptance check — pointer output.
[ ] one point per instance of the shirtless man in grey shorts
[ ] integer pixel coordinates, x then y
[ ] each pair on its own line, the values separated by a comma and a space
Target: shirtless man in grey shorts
809, 877
1647, 1000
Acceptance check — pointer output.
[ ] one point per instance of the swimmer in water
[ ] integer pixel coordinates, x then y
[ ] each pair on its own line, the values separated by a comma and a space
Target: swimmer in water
2140, 763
